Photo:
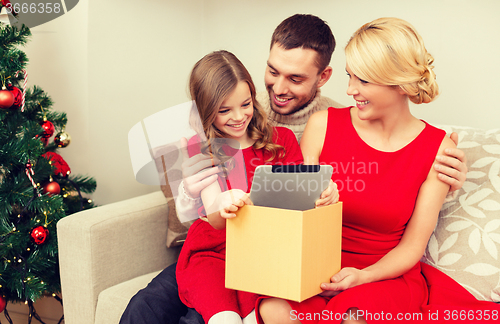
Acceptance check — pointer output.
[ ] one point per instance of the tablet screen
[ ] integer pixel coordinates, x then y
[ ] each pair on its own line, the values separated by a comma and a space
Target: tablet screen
294, 187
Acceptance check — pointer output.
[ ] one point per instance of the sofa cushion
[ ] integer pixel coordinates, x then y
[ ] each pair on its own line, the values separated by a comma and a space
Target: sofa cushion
112, 302
466, 240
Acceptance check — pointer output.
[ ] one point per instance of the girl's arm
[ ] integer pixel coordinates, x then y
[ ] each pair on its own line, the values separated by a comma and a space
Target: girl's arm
209, 197
413, 243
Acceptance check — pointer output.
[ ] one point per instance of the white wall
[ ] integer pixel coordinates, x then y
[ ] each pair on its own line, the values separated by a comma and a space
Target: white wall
139, 60
57, 54
109, 64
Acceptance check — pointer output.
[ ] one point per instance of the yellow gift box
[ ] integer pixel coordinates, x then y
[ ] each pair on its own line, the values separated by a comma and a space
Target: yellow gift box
283, 253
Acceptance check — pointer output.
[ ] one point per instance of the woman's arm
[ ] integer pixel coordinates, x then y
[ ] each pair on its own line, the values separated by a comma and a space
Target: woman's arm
313, 138
419, 229
413, 243
311, 145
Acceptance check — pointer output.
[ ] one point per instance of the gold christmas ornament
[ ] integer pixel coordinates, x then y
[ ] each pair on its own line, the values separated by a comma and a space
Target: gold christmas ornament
62, 139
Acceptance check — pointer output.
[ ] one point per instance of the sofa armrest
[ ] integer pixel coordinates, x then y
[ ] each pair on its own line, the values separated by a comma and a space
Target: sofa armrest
103, 246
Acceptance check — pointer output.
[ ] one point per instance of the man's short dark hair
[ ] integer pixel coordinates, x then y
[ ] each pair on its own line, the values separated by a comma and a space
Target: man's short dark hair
309, 32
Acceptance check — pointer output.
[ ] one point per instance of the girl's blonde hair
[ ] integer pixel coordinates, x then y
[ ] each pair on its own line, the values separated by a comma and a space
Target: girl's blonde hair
389, 51
212, 80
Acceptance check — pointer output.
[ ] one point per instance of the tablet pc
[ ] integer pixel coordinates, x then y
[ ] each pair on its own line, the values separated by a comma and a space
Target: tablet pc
294, 187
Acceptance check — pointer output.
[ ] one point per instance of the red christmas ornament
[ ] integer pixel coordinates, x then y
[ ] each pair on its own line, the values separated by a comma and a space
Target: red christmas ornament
48, 131
18, 96
39, 235
3, 303
52, 188
6, 98
62, 168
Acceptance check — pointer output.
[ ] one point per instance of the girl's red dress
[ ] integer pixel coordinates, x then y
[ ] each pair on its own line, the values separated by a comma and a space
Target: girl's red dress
378, 190
201, 265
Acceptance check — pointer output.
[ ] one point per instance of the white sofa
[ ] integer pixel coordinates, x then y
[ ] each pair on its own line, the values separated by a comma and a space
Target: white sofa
108, 253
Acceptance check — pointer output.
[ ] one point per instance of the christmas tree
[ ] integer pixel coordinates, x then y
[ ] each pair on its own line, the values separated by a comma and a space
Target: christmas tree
37, 188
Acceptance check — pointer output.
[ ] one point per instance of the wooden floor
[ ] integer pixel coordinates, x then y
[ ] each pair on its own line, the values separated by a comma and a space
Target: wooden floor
18, 318
49, 310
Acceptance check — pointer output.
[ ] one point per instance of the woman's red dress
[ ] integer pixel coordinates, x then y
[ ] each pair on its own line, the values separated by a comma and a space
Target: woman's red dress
379, 190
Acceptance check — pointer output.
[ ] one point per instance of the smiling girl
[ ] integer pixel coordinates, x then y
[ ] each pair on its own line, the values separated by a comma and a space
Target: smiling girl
225, 99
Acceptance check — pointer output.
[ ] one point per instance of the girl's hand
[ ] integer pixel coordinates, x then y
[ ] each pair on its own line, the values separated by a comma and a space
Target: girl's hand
346, 278
198, 171
329, 196
232, 200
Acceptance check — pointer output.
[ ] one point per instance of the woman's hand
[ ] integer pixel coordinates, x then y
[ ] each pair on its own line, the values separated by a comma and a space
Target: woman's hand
346, 278
198, 171
329, 196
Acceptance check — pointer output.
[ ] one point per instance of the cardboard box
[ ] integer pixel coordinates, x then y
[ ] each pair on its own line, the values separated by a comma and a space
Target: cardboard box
283, 253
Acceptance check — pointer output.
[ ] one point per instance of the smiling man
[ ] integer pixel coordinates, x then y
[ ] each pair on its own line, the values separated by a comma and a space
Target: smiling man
297, 67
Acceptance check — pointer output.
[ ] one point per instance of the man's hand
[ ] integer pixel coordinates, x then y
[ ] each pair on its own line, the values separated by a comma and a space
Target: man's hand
452, 167
198, 171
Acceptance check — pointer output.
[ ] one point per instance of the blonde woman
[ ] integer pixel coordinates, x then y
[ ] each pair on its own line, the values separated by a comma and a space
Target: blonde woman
391, 193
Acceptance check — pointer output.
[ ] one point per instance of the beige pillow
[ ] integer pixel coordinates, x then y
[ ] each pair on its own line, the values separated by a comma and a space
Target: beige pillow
465, 244
168, 163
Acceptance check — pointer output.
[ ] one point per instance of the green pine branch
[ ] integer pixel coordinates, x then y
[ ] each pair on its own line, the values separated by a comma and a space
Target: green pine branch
86, 184
12, 36
11, 58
